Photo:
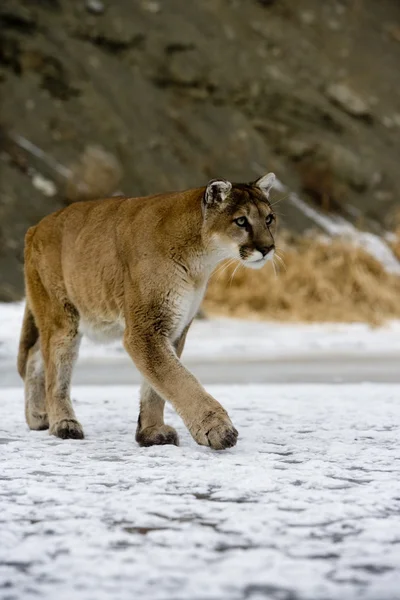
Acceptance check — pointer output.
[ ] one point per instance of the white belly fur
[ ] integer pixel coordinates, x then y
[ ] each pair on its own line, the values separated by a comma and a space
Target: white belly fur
102, 332
185, 309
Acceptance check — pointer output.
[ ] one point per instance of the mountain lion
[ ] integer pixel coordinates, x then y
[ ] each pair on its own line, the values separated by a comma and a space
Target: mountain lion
135, 268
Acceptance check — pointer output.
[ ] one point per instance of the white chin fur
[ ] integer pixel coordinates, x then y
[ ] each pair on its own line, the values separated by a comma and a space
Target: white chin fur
254, 264
257, 260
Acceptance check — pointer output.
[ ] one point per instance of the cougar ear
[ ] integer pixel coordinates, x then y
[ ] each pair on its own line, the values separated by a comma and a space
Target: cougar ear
266, 182
217, 191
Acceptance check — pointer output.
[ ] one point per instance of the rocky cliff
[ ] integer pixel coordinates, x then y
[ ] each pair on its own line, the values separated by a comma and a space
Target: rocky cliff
178, 92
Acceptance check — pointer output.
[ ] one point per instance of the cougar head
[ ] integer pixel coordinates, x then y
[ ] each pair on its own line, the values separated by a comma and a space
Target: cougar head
239, 219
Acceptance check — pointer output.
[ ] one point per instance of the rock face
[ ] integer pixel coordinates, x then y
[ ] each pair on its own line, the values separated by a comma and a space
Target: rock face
345, 98
180, 92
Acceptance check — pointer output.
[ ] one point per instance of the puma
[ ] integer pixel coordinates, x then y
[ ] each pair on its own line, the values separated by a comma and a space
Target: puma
135, 268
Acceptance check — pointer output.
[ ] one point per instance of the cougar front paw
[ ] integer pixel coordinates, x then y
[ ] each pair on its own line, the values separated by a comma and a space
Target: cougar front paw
157, 436
37, 421
67, 429
216, 430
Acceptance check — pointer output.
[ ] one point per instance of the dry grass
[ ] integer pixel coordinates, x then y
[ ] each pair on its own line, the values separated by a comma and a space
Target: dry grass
395, 245
323, 281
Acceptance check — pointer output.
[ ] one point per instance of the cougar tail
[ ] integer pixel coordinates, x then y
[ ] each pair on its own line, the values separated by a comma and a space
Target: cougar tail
29, 336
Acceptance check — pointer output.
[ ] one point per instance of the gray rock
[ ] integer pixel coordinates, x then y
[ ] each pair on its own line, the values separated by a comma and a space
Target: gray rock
341, 95
96, 7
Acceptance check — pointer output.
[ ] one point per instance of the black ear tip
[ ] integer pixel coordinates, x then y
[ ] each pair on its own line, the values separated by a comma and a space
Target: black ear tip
214, 183
220, 181
217, 190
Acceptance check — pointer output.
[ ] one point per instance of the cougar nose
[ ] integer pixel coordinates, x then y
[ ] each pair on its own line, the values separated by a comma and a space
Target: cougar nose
265, 249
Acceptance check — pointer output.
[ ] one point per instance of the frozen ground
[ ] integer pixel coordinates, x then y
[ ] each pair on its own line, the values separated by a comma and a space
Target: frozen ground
222, 350
305, 507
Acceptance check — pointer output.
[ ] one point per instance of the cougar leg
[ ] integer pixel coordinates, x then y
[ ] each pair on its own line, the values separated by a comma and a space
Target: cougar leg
151, 429
35, 391
60, 343
155, 357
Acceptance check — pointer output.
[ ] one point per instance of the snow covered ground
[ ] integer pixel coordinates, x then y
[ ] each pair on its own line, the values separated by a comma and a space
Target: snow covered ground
306, 506
232, 338
226, 350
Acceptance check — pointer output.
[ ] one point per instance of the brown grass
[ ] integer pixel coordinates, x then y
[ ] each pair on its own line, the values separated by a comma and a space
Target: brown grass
323, 281
395, 245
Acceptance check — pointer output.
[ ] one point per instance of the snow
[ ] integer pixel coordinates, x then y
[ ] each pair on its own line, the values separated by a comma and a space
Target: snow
228, 339
305, 507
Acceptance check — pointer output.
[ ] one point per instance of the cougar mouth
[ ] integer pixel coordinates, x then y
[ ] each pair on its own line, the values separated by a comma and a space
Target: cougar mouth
256, 260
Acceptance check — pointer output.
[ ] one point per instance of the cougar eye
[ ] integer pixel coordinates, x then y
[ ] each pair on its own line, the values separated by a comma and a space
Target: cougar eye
241, 221
269, 219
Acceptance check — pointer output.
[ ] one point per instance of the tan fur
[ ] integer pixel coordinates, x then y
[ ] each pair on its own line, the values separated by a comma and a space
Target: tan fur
135, 268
